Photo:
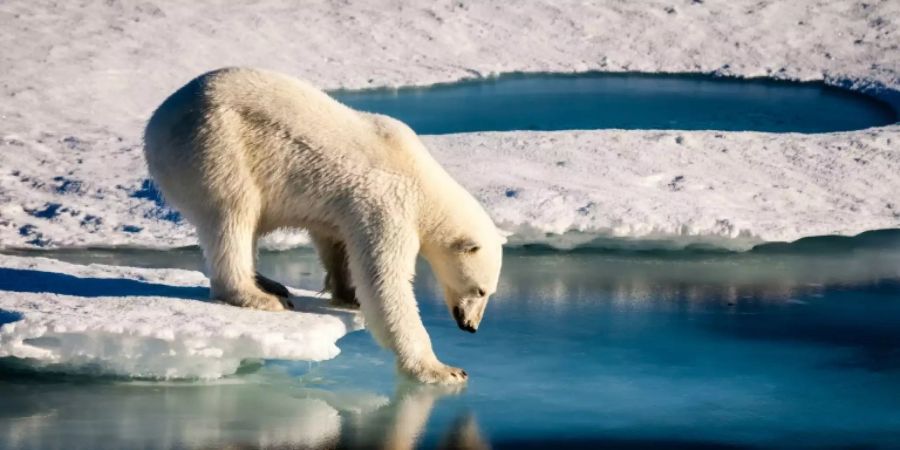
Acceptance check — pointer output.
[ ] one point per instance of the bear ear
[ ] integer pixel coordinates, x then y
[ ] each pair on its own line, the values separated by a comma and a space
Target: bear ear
465, 245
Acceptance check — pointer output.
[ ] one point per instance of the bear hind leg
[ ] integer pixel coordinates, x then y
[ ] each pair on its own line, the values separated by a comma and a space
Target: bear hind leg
333, 254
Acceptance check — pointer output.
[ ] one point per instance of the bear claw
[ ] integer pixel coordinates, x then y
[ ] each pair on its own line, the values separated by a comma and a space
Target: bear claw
261, 301
271, 286
342, 303
438, 373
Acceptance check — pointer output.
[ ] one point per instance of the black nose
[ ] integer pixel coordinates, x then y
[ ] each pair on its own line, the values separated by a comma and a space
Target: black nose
457, 314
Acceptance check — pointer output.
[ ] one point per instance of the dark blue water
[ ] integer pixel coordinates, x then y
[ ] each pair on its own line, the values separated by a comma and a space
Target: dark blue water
775, 348
624, 101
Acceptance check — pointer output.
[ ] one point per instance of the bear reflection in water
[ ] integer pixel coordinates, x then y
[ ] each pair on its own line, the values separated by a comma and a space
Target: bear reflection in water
97, 415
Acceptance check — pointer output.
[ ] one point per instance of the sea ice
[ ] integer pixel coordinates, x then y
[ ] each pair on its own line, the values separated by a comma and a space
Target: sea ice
149, 323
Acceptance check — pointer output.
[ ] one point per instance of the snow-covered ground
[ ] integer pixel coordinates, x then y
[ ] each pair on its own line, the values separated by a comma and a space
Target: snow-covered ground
670, 189
81, 78
153, 323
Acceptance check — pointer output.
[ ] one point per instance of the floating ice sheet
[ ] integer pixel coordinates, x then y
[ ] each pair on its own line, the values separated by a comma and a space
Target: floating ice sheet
152, 323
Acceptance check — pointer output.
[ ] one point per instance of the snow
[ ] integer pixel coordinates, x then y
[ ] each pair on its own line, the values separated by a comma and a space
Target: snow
672, 189
149, 323
80, 80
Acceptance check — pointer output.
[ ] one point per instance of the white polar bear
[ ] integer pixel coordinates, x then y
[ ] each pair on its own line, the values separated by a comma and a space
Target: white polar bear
242, 152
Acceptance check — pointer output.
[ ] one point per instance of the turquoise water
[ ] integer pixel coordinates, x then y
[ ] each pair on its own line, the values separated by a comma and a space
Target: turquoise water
795, 346
624, 101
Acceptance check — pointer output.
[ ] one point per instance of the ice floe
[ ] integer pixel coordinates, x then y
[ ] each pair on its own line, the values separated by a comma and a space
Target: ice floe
149, 323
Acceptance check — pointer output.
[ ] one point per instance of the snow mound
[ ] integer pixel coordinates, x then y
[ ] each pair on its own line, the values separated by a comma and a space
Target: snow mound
149, 323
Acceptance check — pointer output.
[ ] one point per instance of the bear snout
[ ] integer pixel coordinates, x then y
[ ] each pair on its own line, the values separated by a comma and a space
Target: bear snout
461, 321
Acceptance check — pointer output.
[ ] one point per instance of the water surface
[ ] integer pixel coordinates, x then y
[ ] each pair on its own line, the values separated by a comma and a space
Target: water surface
779, 347
624, 101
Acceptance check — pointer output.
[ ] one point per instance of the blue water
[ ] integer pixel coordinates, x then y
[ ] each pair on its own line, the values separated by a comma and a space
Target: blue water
624, 101
794, 346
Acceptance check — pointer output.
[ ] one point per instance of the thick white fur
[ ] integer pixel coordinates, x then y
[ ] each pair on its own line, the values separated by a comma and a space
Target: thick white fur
242, 152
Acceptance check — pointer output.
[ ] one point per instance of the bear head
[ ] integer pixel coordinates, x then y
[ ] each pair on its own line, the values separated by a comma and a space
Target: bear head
468, 269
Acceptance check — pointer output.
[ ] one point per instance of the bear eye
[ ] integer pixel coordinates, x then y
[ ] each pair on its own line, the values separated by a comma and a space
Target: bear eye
480, 292
465, 245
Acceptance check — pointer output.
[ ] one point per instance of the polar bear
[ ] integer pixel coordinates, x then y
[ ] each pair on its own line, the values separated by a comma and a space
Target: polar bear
242, 152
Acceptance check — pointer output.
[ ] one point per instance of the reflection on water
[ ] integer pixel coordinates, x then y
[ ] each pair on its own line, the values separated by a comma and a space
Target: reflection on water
796, 346
401, 424
81, 414
264, 410
773, 272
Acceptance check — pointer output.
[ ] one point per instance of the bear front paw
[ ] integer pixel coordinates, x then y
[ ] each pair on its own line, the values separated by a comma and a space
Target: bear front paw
435, 373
